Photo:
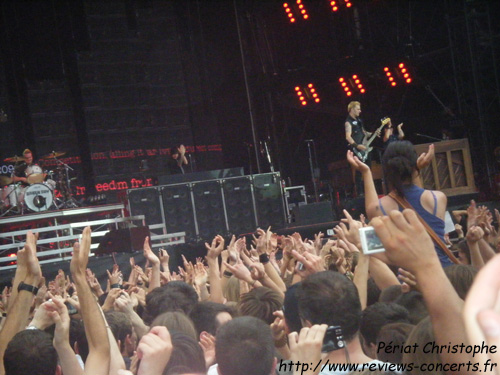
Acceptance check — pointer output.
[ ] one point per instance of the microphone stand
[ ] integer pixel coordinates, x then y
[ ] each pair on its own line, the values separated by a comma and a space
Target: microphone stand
311, 166
249, 145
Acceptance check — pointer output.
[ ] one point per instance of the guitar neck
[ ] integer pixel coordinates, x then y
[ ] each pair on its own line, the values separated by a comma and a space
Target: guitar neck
384, 122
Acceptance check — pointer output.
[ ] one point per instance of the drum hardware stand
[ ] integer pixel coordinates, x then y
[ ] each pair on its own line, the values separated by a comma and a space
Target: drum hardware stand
65, 182
19, 209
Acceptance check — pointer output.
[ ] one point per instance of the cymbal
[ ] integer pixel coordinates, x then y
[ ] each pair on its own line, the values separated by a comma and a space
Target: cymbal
53, 155
15, 159
5, 180
36, 178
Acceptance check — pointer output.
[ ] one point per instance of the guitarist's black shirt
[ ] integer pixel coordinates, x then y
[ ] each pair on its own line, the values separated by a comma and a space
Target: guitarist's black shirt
357, 128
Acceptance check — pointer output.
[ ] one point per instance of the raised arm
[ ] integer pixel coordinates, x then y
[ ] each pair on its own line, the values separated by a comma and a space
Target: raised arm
98, 359
408, 245
371, 196
18, 313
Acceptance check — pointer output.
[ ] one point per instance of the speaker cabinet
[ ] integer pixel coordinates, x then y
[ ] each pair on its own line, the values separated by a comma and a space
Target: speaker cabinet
209, 208
238, 199
269, 200
146, 202
313, 213
178, 210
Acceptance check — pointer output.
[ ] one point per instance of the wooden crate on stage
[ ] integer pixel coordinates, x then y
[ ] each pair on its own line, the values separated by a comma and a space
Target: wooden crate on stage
451, 170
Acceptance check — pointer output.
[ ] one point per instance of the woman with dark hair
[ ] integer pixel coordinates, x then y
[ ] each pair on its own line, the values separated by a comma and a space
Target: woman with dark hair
401, 168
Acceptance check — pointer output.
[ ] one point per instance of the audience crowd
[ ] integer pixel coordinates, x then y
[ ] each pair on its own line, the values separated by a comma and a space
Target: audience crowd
274, 304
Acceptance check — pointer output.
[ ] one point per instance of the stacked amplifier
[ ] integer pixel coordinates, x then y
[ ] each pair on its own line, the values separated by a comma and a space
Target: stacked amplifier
203, 209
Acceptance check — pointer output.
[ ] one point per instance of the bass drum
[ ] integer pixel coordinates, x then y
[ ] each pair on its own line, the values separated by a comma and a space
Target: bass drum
38, 197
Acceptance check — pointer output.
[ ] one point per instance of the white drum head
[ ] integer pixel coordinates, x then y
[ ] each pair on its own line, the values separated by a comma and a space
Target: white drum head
38, 197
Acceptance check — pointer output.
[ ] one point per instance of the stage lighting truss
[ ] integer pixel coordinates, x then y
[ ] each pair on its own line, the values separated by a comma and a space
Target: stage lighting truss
334, 4
295, 11
401, 74
352, 84
307, 94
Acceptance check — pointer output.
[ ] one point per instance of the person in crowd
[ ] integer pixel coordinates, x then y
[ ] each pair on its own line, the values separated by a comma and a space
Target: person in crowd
177, 160
401, 168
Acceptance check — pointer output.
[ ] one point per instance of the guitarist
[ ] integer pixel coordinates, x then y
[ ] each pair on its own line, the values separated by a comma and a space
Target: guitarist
354, 135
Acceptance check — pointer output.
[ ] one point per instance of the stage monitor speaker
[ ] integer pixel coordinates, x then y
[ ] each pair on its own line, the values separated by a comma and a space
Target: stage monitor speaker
313, 213
209, 209
125, 240
269, 200
146, 201
178, 210
239, 205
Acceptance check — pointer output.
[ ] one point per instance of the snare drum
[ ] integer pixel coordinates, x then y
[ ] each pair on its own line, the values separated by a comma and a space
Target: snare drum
38, 197
12, 195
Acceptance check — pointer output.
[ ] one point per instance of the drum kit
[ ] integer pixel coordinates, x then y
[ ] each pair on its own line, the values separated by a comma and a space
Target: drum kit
39, 192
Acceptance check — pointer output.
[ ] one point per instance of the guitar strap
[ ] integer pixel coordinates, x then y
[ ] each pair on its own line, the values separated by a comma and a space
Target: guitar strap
404, 203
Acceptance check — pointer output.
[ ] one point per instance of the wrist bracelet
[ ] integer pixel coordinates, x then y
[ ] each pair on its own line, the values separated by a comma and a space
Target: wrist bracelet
28, 288
354, 145
226, 273
115, 286
264, 258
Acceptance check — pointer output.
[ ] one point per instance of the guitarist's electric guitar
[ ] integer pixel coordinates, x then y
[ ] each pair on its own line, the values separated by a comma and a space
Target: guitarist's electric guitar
363, 155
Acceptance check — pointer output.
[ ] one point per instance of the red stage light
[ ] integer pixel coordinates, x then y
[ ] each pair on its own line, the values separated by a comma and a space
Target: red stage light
292, 20
354, 76
349, 93
332, 3
408, 80
403, 70
303, 11
315, 95
344, 84
348, 5
316, 100
12, 255
313, 90
346, 88
306, 16
290, 15
341, 79
297, 88
356, 81
406, 75
310, 85
301, 6
401, 65
388, 74
386, 69
335, 9
391, 79
299, 1
304, 102
285, 5
359, 86
301, 98
393, 83
362, 91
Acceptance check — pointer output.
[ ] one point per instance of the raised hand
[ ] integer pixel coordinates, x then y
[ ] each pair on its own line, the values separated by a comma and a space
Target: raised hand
154, 351
148, 253
80, 257
405, 240
305, 347
356, 163
425, 158
214, 250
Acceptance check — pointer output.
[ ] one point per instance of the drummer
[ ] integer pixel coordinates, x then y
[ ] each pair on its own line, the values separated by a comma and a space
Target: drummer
19, 174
